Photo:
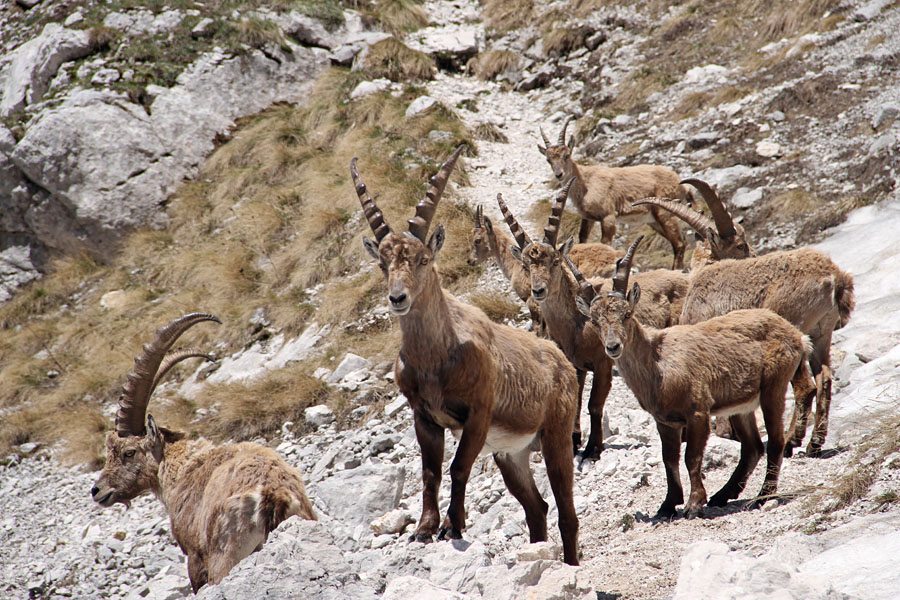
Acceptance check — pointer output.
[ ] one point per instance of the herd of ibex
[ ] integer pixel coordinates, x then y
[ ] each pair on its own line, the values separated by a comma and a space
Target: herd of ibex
722, 340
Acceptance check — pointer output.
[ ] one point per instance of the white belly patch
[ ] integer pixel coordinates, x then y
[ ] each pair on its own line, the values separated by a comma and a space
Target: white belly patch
501, 440
738, 409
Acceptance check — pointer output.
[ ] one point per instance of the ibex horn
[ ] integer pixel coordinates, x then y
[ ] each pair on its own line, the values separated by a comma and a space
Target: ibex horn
519, 234
562, 134
173, 358
551, 231
479, 217
699, 222
724, 223
585, 288
544, 135
142, 380
373, 215
419, 224
623, 269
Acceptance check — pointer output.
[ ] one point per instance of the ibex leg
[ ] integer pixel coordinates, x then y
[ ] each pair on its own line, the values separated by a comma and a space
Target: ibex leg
671, 451
471, 442
431, 442
584, 232
519, 480
744, 427
599, 391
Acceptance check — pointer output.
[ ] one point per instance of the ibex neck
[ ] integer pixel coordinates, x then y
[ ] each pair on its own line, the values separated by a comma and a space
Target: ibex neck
509, 264
564, 320
576, 192
427, 332
638, 365
176, 456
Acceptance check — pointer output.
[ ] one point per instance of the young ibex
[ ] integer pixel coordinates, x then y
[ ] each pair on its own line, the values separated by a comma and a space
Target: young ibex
222, 500
556, 292
594, 259
606, 193
804, 286
727, 365
495, 387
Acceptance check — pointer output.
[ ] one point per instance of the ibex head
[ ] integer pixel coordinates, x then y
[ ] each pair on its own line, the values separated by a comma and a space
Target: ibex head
481, 238
541, 259
406, 259
726, 239
134, 451
560, 155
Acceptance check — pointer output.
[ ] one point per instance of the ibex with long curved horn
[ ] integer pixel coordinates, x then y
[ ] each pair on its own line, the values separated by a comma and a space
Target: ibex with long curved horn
606, 194
495, 387
681, 375
597, 260
222, 500
804, 286
556, 292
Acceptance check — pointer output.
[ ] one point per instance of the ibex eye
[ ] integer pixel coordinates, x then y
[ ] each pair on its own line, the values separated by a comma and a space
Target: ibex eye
129, 454
423, 261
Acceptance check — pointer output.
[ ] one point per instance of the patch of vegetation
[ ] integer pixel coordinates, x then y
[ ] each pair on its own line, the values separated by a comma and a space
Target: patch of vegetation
271, 213
502, 16
496, 305
489, 133
392, 59
493, 63
395, 16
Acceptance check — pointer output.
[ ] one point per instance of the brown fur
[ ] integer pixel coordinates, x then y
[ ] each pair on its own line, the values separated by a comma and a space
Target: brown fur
684, 374
606, 193
223, 501
805, 287
496, 387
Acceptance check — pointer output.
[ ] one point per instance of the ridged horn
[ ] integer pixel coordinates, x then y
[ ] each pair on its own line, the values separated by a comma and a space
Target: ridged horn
173, 358
419, 224
623, 270
479, 217
547, 143
519, 234
373, 215
690, 216
551, 231
141, 381
724, 223
562, 134
585, 288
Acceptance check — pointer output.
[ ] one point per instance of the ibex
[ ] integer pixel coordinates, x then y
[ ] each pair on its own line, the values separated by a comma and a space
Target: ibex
222, 500
727, 365
495, 387
487, 243
556, 292
804, 286
606, 193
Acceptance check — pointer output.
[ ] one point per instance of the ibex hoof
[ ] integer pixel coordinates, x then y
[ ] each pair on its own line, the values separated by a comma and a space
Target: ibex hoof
693, 512
814, 451
592, 452
665, 513
719, 500
425, 538
789, 450
450, 533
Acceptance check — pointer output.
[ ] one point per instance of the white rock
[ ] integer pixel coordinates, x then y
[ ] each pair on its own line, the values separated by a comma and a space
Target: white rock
395, 406
870, 10
769, 149
420, 106
317, 416
366, 88
105, 76
408, 587
392, 522
322, 373
706, 74
25, 73
745, 197
375, 489
538, 551
351, 363
113, 300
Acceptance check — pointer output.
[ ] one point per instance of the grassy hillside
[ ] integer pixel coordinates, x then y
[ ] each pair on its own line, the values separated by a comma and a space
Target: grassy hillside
271, 214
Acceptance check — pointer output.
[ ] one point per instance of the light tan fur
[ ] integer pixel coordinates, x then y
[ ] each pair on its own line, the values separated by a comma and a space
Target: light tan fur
484, 381
684, 374
606, 193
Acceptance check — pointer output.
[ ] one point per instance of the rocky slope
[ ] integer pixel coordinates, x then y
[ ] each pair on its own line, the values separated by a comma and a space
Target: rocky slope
827, 125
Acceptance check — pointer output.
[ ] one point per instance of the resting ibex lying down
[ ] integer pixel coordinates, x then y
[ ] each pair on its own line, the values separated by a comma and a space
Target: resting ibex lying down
804, 286
606, 193
556, 292
222, 500
487, 242
495, 387
727, 365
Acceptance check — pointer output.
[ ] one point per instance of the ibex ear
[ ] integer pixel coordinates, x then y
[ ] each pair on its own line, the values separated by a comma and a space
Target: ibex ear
567, 245
153, 430
583, 307
436, 241
371, 247
542, 150
516, 252
488, 225
571, 143
634, 295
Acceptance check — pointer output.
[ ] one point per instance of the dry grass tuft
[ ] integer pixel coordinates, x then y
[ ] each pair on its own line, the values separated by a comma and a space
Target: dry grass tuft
489, 133
392, 59
501, 16
496, 305
562, 40
396, 16
494, 63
